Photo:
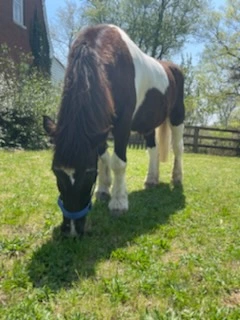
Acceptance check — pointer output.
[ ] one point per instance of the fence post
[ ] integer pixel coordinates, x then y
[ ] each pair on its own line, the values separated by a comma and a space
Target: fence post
195, 140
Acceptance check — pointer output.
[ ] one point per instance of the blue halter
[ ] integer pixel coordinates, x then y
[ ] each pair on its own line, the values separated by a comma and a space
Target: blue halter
74, 215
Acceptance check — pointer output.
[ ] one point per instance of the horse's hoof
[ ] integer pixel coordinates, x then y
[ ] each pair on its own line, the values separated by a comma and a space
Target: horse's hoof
102, 196
177, 183
150, 185
117, 213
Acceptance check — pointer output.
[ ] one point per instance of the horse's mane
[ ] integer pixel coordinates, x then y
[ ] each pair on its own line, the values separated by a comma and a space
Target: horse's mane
86, 108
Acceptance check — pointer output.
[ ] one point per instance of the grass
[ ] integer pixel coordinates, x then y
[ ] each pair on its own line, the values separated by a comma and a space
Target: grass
174, 255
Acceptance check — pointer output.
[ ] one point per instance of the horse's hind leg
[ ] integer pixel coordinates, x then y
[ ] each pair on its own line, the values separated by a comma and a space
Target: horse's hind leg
177, 144
177, 127
152, 178
104, 174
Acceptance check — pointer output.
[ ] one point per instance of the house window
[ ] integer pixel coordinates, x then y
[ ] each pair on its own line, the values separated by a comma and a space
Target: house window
18, 12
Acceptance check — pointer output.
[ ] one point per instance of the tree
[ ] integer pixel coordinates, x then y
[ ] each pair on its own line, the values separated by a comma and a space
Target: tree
198, 111
65, 27
40, 46
159, 28
190, 89
221, 61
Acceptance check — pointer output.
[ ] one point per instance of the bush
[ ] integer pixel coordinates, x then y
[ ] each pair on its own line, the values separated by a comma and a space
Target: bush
25, 96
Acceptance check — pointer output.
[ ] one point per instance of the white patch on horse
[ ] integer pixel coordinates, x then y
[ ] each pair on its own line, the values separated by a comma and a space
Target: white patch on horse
153, 167
99, 39
149, 73
177, 144
119, 200
70, 172
104, 173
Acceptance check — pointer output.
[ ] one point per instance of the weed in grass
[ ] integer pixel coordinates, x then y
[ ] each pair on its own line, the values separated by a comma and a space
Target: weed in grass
213, 313
116, 289
14, 247
28, 309
79, 316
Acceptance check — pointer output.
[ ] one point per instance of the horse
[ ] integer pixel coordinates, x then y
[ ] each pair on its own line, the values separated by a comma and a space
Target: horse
110, 85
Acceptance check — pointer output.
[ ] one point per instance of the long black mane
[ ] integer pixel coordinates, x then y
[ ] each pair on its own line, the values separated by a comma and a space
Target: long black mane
86, 108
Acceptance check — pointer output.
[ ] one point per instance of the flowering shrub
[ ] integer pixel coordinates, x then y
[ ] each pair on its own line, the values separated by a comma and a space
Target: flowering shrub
25, 96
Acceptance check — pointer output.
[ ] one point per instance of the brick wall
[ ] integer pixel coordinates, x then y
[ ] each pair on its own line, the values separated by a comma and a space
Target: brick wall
14, 35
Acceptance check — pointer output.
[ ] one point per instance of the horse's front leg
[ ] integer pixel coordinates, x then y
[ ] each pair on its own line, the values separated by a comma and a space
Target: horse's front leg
152, 178
119, 198
104, 174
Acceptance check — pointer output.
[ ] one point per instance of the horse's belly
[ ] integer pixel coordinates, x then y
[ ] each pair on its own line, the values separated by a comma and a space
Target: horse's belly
151, 113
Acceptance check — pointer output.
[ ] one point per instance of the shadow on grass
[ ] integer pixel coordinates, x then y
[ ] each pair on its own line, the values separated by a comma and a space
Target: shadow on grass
59, 262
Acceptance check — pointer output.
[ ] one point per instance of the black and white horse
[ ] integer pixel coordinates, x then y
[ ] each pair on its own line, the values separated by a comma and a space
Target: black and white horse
111, 85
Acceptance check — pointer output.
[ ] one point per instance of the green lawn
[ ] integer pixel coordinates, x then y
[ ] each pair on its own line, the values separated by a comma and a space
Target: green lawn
174, 255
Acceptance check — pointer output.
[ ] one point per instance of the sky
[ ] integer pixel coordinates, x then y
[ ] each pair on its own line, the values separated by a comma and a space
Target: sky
194, 49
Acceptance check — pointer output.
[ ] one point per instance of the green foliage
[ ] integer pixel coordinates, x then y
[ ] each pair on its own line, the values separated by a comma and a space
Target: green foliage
197, 86
158, 27
24, 97
190, 91
173, 256
14, 246
221, 62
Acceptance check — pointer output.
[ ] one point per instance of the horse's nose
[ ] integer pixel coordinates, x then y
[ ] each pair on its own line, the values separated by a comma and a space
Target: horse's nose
73, 228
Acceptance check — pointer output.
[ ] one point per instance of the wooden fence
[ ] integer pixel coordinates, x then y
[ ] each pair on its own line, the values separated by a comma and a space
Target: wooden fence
202, 140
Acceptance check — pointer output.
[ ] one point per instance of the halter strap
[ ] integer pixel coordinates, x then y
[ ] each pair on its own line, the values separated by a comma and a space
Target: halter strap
74, 215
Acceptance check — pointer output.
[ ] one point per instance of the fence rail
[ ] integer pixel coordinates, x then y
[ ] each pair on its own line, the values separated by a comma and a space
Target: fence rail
202, 140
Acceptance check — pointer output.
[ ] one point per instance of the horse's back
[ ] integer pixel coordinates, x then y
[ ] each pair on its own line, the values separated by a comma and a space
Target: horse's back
121, 56
141, 86
148, 72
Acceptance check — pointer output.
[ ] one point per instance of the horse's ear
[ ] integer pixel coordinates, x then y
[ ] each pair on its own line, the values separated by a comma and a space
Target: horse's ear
49, 126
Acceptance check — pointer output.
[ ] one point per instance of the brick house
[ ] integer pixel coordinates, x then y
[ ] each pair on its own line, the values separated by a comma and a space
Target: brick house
16, 20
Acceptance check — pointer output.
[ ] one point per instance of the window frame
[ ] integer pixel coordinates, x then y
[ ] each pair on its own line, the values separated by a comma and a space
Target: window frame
18, 12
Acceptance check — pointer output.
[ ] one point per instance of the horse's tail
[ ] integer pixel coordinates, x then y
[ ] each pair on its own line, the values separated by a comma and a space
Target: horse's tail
163, 134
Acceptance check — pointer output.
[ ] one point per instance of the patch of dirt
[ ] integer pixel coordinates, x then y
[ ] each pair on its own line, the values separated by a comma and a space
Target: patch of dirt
173, 255
233, 299
3, 299
234, 265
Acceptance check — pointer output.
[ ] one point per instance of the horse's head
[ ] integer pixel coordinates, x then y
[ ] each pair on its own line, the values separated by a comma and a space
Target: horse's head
75, 185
